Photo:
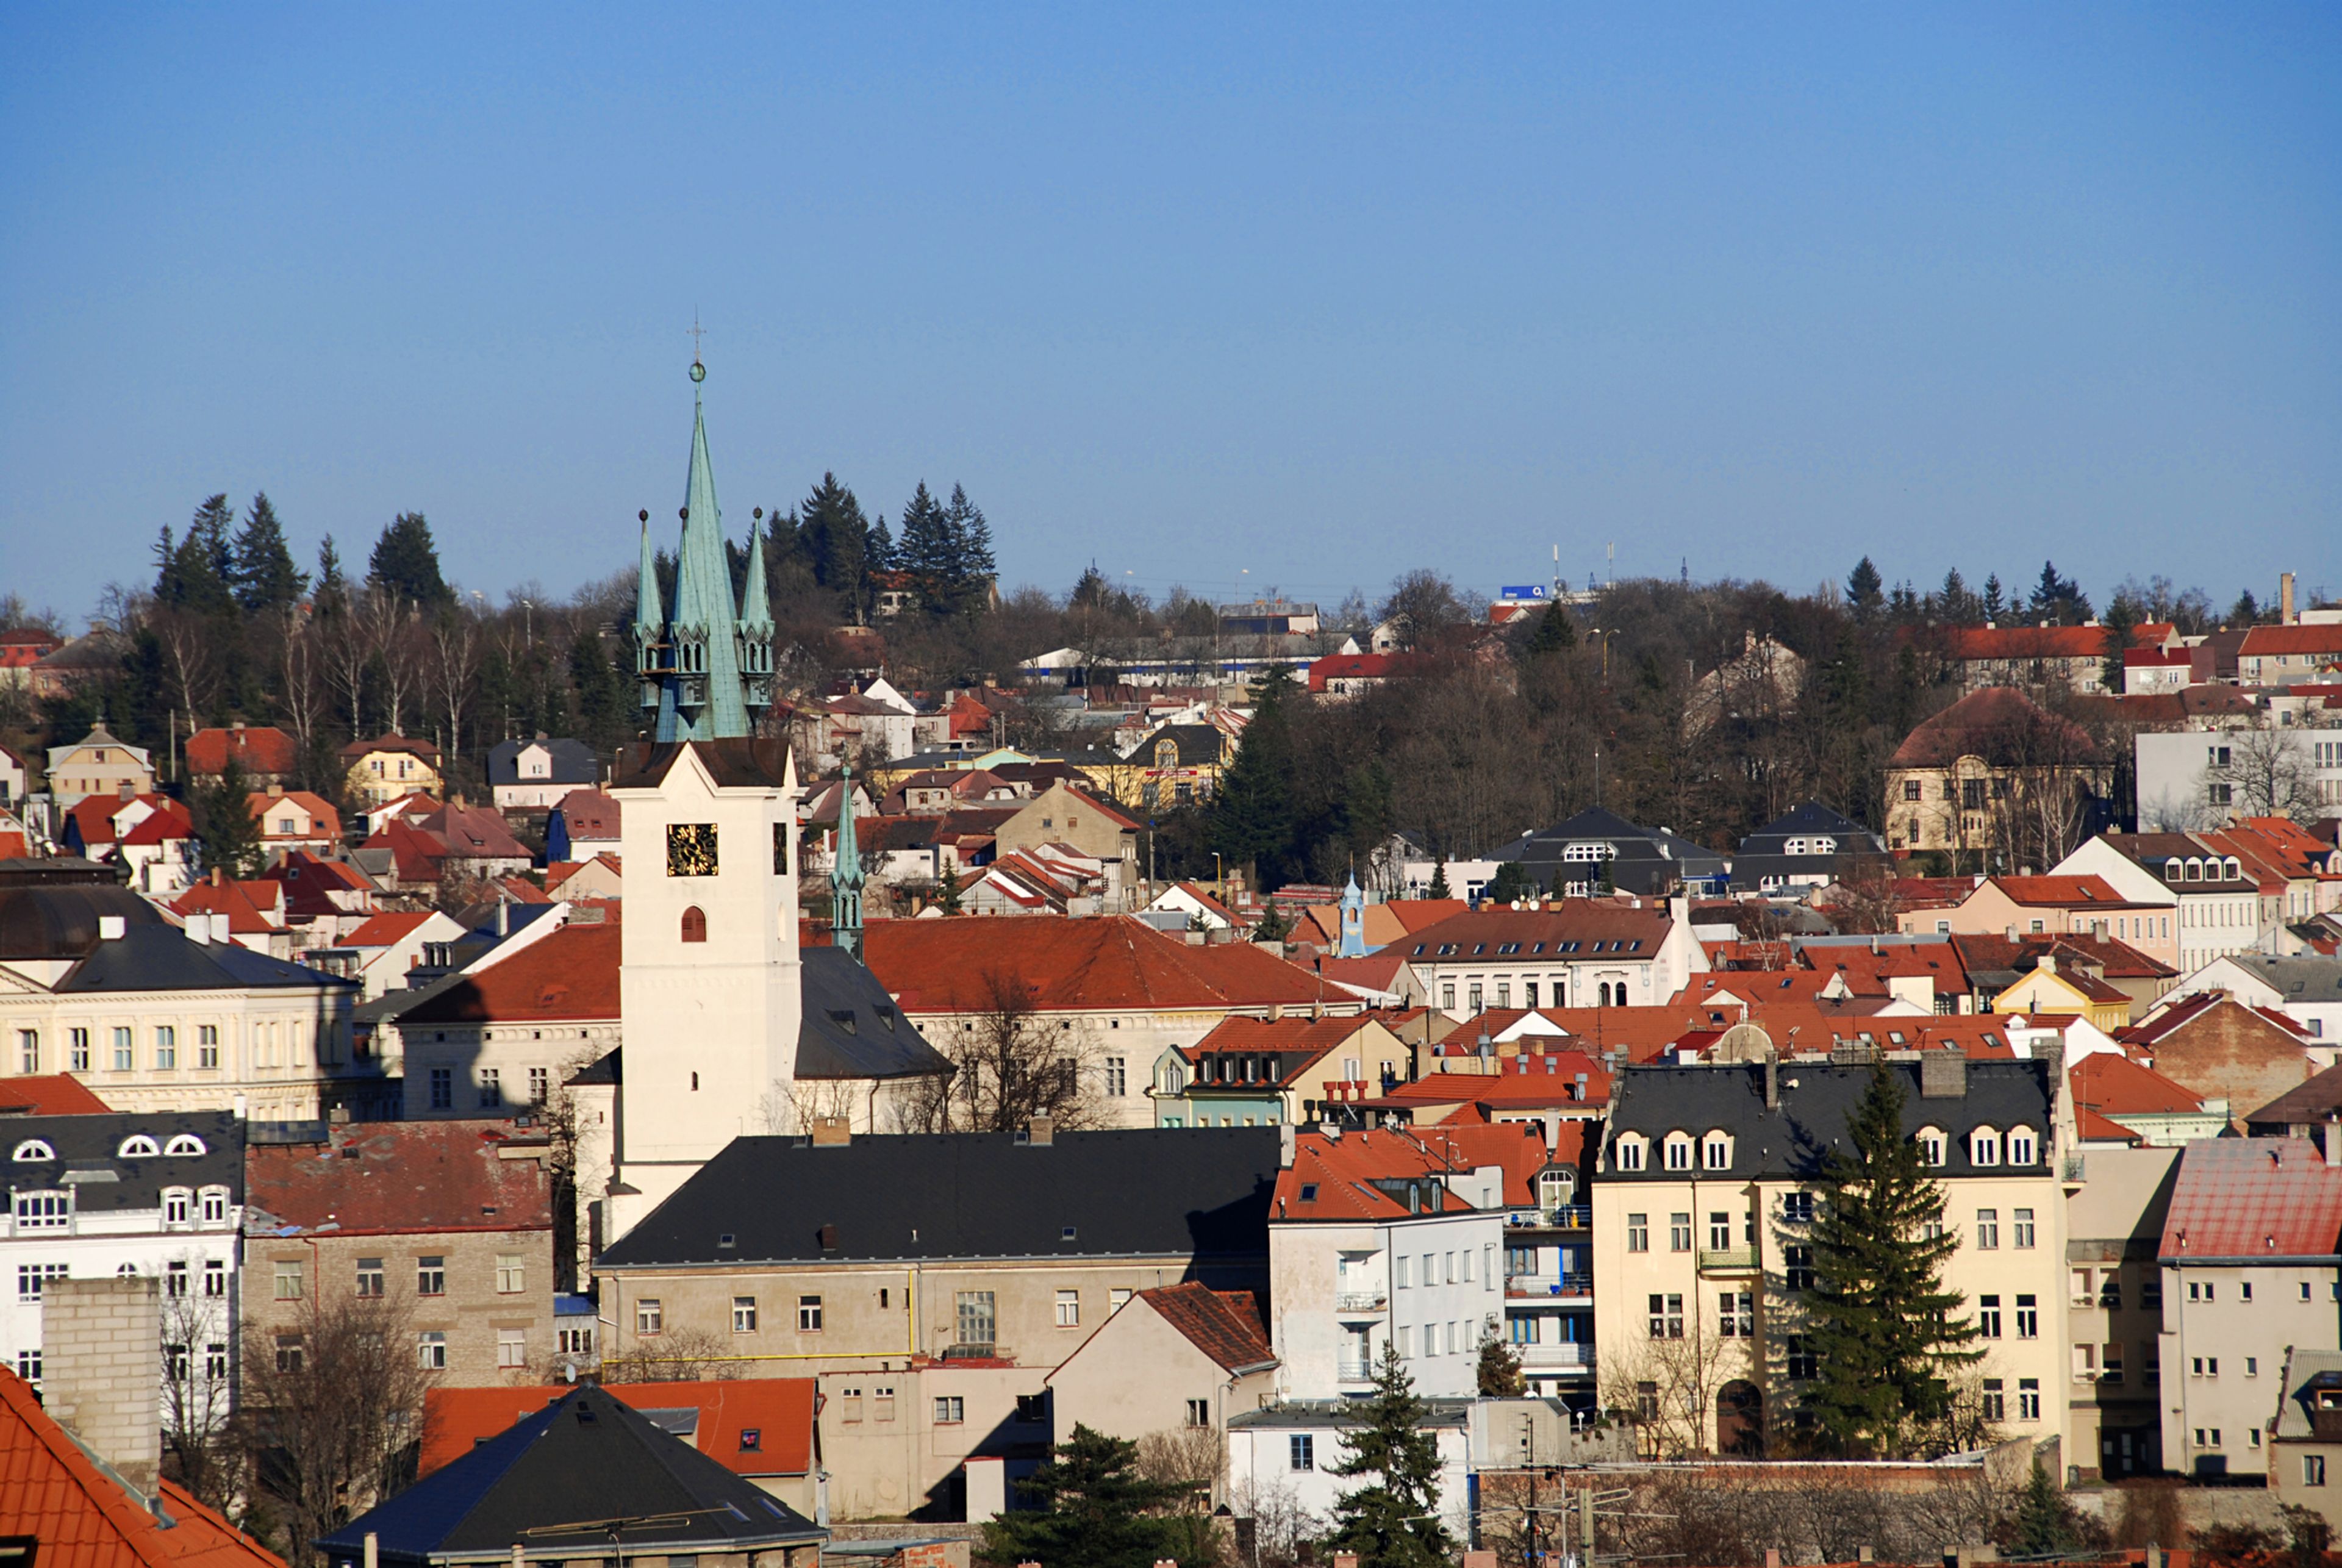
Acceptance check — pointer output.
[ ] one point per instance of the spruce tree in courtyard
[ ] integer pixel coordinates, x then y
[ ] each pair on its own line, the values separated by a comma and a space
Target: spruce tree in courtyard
1392, 1521
1883, 1329
1088, 1507
1439, 888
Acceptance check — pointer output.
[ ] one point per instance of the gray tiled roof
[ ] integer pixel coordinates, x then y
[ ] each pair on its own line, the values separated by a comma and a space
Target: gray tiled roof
91, 1146
164, 958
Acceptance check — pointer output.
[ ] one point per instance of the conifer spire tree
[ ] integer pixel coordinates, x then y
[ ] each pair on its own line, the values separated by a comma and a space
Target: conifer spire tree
1554, 631
1393, 1521
1882, 1328
264, 575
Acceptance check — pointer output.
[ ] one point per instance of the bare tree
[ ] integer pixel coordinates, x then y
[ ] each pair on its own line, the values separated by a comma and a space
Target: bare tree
1668, 1387
331, 1419
1282, 1531
2270, 773
346, 655
301, 676
680, 1354
1009, 1065
191, 662
395, 639
198, 1388
455, 648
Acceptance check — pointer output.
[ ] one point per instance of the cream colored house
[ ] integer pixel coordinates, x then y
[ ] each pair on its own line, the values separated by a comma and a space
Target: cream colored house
2114, 1312
1706, 1188
383, 769
98, 765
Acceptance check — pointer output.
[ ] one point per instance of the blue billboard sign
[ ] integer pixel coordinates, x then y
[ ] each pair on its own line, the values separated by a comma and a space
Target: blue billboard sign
1527, 590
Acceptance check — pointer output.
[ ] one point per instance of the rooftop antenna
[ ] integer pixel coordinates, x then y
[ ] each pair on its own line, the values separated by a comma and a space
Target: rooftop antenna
1613, 568
1686, 571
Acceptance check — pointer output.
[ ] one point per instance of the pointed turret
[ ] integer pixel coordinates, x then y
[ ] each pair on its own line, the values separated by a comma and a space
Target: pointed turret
845, 872
1354, 920
756, 632
704, 698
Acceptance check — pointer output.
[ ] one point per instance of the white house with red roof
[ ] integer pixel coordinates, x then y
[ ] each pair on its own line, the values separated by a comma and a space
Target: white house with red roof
1619, 952
249, 913
294, 819
382, 949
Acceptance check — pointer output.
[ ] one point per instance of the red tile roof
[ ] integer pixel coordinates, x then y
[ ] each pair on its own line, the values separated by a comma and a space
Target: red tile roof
2118, 1086
2065, 892
2043, 642
1224, 1326
2116, 960
779, 1410
168, 824
2092, 1127
53, 1492
571, 974
325, 820
264, 749
1075, 965
357, 749
1415, 914
48, 1094
252, 908
1549, 1079
386, 930
2268, 641
2252, 1198
1331, 1178
1989, 724
474, 833
590, 814
407, 1177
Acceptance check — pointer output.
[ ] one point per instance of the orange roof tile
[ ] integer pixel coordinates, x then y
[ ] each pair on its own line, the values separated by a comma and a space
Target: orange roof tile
1224, 1326
257, 749
780, 1410
49, 1094
386, 930
1071, 964
405, 1177
2116, 1085
571, 974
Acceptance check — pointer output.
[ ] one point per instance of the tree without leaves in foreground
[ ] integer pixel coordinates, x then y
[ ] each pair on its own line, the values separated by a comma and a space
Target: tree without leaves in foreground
1879, 1320
331, 1414
1013, 1066
1089, 1507
1392, 1521
198, 1407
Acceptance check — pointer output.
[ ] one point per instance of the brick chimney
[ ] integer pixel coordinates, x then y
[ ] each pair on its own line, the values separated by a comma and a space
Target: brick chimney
1041, 1132
832, 1132
2285, 610
101, 1369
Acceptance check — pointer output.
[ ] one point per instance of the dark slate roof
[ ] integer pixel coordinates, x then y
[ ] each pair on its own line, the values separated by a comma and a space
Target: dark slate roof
1143, 1192
1762, 853
852, 1028
164, 958
1648, 860
1816, 1099
748, 763
92, 1144
1199, 745
60, 920
601, 1069
574, 763
586, 1459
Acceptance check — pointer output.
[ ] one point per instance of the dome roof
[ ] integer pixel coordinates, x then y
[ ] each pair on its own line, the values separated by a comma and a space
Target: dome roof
61, 922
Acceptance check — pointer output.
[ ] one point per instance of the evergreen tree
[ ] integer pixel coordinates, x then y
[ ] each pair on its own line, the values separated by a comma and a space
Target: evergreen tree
2247, 611
1554, 631
2058, 600
1954, 601
925, 550
227, 834
1499, 1373
884, 553
1510, 882
2047, 1524
264, 575
1866, 591
948, 892
333, 588
605, 708
2122, 618
1439, 888
972, 567
833, 538
405, 564
1088, 1507
1392, 1522
1878, 1318
1995, 602
1274, 925
195, 574
1252, 819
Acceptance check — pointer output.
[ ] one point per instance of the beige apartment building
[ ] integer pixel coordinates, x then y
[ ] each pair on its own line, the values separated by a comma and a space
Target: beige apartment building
2114, 1310
453, 1220
1706, 1190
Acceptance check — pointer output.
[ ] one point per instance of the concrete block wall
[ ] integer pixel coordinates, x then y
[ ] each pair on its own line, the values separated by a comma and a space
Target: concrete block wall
101, 1369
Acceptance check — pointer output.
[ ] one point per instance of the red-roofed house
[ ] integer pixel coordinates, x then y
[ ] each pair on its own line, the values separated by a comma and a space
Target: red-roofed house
2250, 1253
380, 950
1181, 1357
2237, 1057
248, 914
2279, 655
1954, 781
1125, 995
2076, 905
266, 755
389, 766
1994, 655
58, 1505
48, 1094
316, 888
1262, 1072
1569, 951
599, 876
503, 1035
1061, 814
2142, 1101
295, 819
758, 1427
590, 818
455, 1216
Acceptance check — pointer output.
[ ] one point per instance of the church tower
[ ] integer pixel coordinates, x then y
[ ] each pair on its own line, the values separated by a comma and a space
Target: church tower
711, 988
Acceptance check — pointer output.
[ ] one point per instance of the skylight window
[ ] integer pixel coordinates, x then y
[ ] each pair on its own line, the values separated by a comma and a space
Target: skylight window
1308, 1192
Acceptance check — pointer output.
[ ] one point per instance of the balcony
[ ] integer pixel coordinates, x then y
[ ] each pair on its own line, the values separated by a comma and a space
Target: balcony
1350, 1369
1363, 1299
1579, 1283
1728, 1260
1554, 1357
1561, 1217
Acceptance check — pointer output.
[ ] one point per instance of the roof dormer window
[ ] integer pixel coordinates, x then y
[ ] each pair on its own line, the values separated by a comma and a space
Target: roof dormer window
185, 1146
137, 1146
2021, 1149
33, 1151
1630, 1152
1678, 1152
1983, 1146
1716, 1152
1932, 1144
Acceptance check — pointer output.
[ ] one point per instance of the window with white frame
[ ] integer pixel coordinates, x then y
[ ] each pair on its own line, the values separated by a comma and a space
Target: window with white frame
213, 1205
42, 1212
2022, 1148
1983, 1146
1678, 1153
1630, 1154
1716, 1152
1932, 1144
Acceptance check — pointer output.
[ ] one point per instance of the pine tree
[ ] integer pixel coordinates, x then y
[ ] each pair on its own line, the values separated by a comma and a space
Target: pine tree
924, 549
1088, 1507
1274, 925
1995, 602
2122, 618
194, 575
972, 567
1510, 882
1865, 589
1439, 888
833, 538
1392, 1522
1554, 631
2247, 611
1878, 1318
948, 892
227, 834
1252, 818
2046, 1523
333, 588
1955, 603
264, 575
606, 711
405, 564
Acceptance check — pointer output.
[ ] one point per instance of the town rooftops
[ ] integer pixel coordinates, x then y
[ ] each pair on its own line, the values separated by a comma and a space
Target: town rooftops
1385, 1174
2314, 1103
585, 1460
60, 919
1816, 1099
49, 1094
2064, 891
1055, 964
712, 1417
257, 749
164, 958
413, 745
2090, 642
1224, 1324
389, 1178
566, 976
104, 1157
568, 762
2253, 1200
1564, 928
589, 813
2115, 1085
1141, 1192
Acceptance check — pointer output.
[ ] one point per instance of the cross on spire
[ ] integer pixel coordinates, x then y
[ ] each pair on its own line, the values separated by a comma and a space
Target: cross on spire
697, 332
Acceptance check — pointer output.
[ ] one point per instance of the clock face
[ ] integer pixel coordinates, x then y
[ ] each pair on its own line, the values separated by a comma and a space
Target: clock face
691, 849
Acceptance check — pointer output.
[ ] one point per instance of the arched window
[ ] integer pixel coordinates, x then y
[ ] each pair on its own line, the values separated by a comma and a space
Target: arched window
2021, 1148
1931, 1145
1678, 1152
1983, 1147
32, 1150
1630, 1152
1716, 1152
695, 925
185, 1143
137, 1147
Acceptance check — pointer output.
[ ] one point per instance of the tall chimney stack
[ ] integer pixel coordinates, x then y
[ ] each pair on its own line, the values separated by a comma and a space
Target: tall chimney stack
2285, 614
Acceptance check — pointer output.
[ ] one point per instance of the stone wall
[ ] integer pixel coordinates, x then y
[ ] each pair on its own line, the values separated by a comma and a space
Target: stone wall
102, 1368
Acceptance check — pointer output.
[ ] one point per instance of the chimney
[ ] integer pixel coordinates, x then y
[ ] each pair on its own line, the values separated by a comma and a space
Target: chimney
1041, 1132
199, 929
832, 1132
127, 790
110, 927
218, 875
2046, 964
2285, 613
275, 790
102, 1370
1944, 1074
1772, 1084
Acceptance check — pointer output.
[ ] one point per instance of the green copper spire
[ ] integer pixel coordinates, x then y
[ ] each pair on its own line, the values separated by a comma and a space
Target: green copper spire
703, 697
845, 872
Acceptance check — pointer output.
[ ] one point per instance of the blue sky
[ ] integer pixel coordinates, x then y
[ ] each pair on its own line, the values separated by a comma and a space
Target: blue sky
1252, 297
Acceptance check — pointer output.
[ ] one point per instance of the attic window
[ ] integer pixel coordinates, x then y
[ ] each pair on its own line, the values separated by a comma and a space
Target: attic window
185, 1143
843, 1018
752, 1440
139, 1147
1445, 948
1308, 1192
886, 1016
1065, 1234
1538, 948
1504, 948
32, 1150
